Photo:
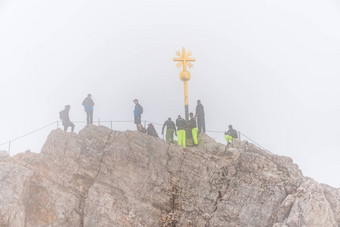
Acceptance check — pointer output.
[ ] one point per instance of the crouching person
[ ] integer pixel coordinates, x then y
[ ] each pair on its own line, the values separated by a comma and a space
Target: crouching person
230, 135
151, 131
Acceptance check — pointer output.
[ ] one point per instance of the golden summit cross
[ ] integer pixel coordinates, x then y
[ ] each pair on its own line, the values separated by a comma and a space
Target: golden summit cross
185, 61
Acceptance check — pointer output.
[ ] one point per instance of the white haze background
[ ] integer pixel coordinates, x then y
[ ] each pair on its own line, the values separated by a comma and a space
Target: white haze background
270, 68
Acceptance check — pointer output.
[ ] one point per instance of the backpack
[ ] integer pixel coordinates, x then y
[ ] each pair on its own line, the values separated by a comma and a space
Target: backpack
233, 133
61, 114
140, 109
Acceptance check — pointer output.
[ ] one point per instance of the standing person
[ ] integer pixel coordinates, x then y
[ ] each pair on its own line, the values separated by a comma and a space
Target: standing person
138, 115
200, 117
181, 126
193, 127
170, 130
88, 107
151, 131
65, 118
230, 135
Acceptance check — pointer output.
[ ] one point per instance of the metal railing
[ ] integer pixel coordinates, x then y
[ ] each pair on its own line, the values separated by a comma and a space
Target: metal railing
111, 123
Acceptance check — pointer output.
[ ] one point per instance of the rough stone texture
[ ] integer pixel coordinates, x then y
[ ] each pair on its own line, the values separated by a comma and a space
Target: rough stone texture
101, 177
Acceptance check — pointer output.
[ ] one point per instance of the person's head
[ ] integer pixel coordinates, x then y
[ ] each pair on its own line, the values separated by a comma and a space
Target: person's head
179, 116
191, 115
230, 127
169, 118
135, 101
67, 107
198, 101
89, 95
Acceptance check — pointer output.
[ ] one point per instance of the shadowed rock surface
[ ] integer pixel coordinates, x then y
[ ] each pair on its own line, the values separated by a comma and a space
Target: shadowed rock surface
101, 177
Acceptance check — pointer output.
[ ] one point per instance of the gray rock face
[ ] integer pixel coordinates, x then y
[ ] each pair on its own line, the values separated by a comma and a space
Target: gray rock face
101, 177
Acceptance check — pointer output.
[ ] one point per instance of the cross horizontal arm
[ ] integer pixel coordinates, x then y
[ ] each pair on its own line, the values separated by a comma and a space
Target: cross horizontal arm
184, 59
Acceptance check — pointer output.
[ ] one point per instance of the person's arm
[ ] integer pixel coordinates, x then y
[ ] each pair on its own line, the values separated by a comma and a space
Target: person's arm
139, 110
174, 126
192, 123
135, 111
163, 127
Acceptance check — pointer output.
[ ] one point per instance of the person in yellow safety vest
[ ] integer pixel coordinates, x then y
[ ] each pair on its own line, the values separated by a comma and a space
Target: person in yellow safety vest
230, 135
181, 126
193, 127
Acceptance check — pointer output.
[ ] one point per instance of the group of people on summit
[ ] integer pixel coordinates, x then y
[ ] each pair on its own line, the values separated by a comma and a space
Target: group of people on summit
182, 129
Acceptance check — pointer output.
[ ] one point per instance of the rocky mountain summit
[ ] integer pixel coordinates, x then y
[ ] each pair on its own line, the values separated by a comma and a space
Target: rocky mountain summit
101, 177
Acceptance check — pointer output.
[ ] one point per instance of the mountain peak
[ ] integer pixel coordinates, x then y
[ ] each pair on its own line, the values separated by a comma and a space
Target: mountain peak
101, 177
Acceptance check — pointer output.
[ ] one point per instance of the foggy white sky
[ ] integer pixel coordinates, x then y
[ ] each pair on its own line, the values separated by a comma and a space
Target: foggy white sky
270, 68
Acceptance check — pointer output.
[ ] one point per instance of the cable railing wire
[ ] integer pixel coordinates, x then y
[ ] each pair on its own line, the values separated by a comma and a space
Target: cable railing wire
263, 148
29, 133
111, 125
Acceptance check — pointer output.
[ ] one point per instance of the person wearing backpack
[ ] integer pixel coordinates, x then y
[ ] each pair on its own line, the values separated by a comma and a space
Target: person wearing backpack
88, 107
138, 115
230, 135
65, 118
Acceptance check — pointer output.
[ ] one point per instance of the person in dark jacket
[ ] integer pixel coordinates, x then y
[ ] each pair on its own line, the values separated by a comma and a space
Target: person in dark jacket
193, 127
200, 117
230, 135
137, 112
65, 118
151, 130
181, 126
88, 107
170, 130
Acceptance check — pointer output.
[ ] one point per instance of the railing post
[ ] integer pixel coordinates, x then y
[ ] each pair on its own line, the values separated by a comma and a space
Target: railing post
9, 148
239, 135
111, 124
98, 121
57, 124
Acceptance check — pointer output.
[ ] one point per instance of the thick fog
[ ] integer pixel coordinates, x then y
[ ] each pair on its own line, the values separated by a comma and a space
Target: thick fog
269, 68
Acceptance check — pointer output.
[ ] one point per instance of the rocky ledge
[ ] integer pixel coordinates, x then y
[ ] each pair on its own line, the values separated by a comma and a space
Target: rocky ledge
101, 177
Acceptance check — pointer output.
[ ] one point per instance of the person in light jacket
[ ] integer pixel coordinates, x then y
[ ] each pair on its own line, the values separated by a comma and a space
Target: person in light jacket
88, 107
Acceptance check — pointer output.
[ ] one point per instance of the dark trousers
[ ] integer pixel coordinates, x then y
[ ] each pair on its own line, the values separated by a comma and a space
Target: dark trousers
201, 124
67, 124
89, 117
